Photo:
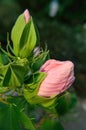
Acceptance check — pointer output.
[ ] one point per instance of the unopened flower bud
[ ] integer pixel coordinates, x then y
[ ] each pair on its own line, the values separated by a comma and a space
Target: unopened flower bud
60, 76
26, 16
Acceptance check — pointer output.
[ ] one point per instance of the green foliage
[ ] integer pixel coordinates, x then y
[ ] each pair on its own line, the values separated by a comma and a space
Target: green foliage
17, 33
13, 74
13, 118
3, 58
4, 89
51, 124
65, 103
39, 60
28, 39
31, 89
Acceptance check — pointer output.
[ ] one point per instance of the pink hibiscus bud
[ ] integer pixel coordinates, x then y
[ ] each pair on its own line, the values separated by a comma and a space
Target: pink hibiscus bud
26, 16
60, 76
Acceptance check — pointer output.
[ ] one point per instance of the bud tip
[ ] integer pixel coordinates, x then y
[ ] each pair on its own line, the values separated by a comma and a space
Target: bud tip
26, 15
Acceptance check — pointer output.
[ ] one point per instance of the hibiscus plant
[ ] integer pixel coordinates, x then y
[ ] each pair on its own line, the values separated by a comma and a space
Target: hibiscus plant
30, 81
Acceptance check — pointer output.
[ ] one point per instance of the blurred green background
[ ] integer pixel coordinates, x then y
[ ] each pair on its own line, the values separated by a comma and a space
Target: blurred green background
62, 26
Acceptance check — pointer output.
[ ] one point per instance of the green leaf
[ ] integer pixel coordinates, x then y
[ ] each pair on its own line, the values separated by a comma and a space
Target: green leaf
8, 118
13, 118
13, 74
51, 124
33, 84
3, 71
31, 89
7, 77
65, 102
17, 75
19, 101
28, 40
3, 59
16, 33
26, 122
32, 98
4, 89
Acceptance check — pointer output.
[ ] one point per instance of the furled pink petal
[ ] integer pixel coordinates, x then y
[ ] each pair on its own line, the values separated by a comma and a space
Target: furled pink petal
60, 76
47, 66
26, 16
